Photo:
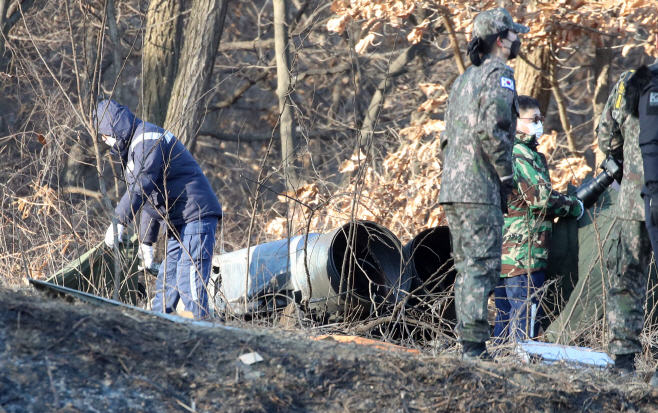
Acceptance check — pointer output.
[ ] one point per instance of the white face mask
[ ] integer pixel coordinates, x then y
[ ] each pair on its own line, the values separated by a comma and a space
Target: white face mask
536, 129
109, 140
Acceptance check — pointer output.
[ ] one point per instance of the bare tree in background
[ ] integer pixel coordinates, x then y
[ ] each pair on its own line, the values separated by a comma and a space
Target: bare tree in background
602, 65
162, 42
531, 76
283, 75
9, 16
117, 58
396, 68
187, 105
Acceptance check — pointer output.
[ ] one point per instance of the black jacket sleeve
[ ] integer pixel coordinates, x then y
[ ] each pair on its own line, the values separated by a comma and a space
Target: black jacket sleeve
149, 225
648, 111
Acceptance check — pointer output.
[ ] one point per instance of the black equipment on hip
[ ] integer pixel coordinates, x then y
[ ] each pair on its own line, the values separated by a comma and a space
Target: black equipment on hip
590, 191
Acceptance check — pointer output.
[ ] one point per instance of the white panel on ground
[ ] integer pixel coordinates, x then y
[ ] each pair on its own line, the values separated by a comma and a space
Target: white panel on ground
550, 353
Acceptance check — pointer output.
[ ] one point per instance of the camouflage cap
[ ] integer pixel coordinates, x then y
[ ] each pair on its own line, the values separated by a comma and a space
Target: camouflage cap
494, 21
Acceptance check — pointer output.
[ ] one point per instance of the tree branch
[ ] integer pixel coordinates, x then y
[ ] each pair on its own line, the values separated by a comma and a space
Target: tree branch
533, 66
247, 45
298, 15
15, 13
454, 42
343, 67
238, 93
562, 108
397, 68
259, 137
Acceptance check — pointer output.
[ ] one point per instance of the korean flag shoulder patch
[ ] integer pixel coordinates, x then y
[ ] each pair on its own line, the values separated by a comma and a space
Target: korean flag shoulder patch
652, 104
507, 83
653, 99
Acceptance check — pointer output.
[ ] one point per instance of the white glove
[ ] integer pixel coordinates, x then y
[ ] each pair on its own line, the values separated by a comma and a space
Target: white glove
109, 235
582, 209
146, 254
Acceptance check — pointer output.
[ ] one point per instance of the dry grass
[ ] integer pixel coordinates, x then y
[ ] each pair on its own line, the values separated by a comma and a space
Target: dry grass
76, 357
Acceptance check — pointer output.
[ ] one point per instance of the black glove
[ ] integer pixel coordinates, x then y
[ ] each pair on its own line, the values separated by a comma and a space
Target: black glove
653, 209
506, 188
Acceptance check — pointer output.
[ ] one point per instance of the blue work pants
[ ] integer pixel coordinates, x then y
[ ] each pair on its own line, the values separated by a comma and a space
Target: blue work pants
518, 309
186, 270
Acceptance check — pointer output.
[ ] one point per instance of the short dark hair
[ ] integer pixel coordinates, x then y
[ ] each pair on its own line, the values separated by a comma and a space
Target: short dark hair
527, 102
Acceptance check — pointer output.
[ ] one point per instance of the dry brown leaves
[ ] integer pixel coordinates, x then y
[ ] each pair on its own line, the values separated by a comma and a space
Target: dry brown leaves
565, 170
42, 202
557, 23
437, 96
404, 198
417, 32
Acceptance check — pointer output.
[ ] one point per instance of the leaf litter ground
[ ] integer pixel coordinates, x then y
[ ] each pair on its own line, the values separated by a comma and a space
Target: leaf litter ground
76, 357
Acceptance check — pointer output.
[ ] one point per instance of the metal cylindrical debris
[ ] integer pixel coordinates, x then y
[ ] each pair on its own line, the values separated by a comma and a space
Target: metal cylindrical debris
430, 259
433, 275
268, 271
361, 263
357, 264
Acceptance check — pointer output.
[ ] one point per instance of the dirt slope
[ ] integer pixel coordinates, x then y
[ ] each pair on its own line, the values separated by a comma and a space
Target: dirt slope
57, 356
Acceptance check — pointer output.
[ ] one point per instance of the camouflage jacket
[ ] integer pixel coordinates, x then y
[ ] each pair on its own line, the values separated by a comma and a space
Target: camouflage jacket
480, 127
532, 207
619, 134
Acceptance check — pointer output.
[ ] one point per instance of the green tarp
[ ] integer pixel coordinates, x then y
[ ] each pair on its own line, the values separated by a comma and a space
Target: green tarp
93, 272
577, 293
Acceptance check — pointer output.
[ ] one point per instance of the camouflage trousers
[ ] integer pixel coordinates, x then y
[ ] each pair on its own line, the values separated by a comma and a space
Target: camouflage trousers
476, 231
628, 266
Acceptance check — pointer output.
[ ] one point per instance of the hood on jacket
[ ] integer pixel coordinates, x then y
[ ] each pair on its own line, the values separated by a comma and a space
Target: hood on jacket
118, 121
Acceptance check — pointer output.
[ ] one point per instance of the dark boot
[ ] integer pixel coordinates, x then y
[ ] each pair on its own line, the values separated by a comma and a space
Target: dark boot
475, 351
625, 364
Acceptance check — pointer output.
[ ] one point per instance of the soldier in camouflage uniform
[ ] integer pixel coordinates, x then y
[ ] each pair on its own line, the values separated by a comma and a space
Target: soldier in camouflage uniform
618, 134
477, 169
528, 225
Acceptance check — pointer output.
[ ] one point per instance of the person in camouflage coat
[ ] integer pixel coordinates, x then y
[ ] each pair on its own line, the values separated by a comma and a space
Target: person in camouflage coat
477, 169
528, 225
618, 134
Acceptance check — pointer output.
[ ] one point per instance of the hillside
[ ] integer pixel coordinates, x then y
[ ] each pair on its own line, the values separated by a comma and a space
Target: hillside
72, 357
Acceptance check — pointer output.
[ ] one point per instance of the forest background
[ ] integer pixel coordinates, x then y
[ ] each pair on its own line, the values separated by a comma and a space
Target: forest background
304, 114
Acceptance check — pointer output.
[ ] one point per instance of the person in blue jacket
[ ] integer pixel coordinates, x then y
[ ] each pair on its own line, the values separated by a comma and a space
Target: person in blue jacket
150, 225
161, 173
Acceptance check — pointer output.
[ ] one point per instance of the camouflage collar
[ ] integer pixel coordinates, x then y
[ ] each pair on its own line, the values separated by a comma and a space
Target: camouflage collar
489, 57
528, 140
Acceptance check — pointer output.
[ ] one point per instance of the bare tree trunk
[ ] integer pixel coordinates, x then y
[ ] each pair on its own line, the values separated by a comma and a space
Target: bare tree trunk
533, 82
9, 16
286, 120
160, 57
4, 5
187, 105
602, 63
117, 60
79, 170
397, 68
107, 204
562, 108
91, 65
447, 19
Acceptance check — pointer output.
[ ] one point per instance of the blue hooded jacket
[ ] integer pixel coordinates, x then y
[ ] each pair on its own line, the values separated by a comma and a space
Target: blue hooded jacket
150, 225
159, 169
